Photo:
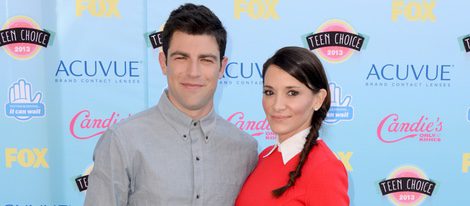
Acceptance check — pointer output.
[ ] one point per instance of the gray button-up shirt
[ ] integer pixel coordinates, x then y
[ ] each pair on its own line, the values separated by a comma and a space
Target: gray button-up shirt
163, 157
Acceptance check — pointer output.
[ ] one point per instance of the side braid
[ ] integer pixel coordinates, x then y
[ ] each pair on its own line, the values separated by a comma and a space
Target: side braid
293, 175
304, 66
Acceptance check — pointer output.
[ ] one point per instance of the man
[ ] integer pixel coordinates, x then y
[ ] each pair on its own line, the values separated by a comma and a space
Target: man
179, 152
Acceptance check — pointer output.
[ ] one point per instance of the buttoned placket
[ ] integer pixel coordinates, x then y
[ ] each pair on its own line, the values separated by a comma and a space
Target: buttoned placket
197, 140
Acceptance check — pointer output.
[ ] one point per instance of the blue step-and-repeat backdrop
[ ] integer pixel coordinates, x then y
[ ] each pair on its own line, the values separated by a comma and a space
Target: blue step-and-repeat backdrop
399, 74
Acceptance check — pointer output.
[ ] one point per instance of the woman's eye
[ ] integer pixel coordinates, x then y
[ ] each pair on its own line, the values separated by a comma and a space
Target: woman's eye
292, 93
268, 92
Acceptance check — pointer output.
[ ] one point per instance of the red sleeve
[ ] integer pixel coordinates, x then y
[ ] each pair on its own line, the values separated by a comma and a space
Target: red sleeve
328, 185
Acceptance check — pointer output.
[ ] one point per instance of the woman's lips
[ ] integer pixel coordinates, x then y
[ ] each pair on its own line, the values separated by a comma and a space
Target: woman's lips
279, 117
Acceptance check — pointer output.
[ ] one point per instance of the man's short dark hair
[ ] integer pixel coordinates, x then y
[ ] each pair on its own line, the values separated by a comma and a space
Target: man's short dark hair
195, 20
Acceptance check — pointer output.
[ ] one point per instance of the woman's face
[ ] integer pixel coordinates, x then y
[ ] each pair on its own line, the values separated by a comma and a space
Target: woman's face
288, 103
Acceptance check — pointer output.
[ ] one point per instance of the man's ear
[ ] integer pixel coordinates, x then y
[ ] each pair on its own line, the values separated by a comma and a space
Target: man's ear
223, 65
162, 60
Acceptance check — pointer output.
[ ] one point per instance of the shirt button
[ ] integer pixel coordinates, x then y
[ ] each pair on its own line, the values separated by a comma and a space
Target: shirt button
197, 158
195, 124
197, 196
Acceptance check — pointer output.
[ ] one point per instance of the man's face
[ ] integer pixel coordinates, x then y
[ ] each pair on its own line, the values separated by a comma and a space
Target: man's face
193, 67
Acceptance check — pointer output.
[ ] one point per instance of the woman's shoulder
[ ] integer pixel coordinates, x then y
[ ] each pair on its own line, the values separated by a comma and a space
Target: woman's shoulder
322, 154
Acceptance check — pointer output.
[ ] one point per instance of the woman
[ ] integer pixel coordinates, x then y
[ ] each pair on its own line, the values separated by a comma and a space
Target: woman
300, 169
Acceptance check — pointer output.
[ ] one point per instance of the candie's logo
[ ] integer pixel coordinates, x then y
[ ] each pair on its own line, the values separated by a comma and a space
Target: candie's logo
256, 9
393, 129
407, 185
255, 128
335, 41
84, 126
22, 38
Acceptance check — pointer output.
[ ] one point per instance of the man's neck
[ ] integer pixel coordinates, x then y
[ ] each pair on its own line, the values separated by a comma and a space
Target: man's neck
196, 114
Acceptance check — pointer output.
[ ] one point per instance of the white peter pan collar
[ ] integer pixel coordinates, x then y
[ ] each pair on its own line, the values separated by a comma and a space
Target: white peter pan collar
291, 146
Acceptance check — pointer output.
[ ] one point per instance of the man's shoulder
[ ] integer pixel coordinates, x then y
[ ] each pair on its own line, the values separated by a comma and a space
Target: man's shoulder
142, 118
231, 131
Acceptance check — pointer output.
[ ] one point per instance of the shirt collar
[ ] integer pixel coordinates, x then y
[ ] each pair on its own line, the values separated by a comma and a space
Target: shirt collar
291, 146
182, 122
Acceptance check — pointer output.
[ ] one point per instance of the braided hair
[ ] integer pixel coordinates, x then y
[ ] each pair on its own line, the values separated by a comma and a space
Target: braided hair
304, 66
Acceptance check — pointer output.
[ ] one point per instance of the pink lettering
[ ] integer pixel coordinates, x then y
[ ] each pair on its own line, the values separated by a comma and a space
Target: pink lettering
411, 130
238, 119
414, 126
84, 121
381, 125
439, 125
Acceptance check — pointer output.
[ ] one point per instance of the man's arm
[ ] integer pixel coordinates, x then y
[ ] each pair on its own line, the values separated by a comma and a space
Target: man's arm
108, 183
253, 155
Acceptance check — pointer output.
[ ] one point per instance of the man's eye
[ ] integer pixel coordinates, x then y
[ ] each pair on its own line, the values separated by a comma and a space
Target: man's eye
207, 60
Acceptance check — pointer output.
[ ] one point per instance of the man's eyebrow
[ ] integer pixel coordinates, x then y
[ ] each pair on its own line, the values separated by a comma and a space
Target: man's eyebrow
208, 56
179, 53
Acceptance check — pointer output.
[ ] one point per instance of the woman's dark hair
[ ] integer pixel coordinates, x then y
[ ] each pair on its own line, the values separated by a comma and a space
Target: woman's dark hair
304, 66
195, 20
